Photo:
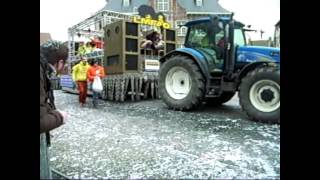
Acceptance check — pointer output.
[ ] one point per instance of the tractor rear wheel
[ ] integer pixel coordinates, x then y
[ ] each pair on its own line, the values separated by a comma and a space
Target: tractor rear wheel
259, 95
181, 84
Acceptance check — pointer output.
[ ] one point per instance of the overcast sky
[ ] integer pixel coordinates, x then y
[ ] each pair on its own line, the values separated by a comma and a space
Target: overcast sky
56, 16
261, 14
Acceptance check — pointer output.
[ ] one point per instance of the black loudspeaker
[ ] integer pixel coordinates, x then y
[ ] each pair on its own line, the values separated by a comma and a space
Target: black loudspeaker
131, 45
131, 62
131, 29
170, 35
170, 40
121, 47
112, 60
170, 47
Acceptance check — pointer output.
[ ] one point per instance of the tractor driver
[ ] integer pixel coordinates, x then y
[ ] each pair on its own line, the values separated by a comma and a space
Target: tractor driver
209, 40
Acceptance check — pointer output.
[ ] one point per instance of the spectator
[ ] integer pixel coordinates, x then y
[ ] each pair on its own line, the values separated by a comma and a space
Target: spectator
61, 66
98, 42
82, 49
50, 118
79, 75
95, 70
93, 47
153, 41
88, 48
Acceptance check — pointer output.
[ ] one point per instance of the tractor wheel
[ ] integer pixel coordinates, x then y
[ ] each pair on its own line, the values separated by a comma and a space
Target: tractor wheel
259, 95
181, 84
217, 101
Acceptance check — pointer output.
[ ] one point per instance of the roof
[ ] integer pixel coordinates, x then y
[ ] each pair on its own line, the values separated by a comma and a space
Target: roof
44, 37
208, 7
278, 23
116, 5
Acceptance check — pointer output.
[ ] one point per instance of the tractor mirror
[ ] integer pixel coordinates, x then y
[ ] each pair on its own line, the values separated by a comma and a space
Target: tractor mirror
227, 31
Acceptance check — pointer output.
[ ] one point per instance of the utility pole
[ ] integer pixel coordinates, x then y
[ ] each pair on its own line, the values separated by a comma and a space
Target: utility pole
261, 31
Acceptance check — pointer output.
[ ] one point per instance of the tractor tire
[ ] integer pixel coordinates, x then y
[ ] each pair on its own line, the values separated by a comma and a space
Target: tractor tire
217, 101
181, 84
259, 95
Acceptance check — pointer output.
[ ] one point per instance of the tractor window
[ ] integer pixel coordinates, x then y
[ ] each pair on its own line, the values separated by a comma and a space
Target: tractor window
238, 37
196, 34
201, 37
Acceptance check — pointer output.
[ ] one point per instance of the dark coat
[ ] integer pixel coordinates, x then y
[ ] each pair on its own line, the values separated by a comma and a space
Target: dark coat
49, 117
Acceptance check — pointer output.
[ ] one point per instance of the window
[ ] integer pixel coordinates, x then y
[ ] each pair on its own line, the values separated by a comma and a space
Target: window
196, 34
135, 10
181, 30
202, 37
198, 2
126, 3
238, 37
163, 5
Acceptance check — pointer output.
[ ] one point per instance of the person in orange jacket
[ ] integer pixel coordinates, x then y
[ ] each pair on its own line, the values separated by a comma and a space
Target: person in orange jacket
93, 71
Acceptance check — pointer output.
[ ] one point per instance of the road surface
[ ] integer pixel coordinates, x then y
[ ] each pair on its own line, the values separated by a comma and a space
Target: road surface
147, 140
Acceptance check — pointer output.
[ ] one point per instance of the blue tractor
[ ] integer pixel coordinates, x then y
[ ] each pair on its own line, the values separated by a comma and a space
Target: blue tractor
216, 63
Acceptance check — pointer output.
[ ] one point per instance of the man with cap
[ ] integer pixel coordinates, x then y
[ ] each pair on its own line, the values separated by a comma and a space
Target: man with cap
50, 118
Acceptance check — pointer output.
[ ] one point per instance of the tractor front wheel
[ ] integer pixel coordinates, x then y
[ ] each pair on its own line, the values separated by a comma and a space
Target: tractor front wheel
181, 84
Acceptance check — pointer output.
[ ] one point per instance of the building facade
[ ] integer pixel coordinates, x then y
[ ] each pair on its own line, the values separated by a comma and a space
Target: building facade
177, 12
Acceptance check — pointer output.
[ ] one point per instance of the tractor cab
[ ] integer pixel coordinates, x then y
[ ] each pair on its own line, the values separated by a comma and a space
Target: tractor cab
215, 39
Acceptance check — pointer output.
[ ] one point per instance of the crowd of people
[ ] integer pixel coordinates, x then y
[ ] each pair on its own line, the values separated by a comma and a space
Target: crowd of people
95, 44
151, 41
84, 73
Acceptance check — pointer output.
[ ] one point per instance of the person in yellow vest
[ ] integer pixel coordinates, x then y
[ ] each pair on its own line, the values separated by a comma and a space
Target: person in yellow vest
94, 47
82, 49
88, 48
79, 75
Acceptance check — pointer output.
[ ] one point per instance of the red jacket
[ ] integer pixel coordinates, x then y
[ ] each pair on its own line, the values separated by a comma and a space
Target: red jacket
99, 44
92, 71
